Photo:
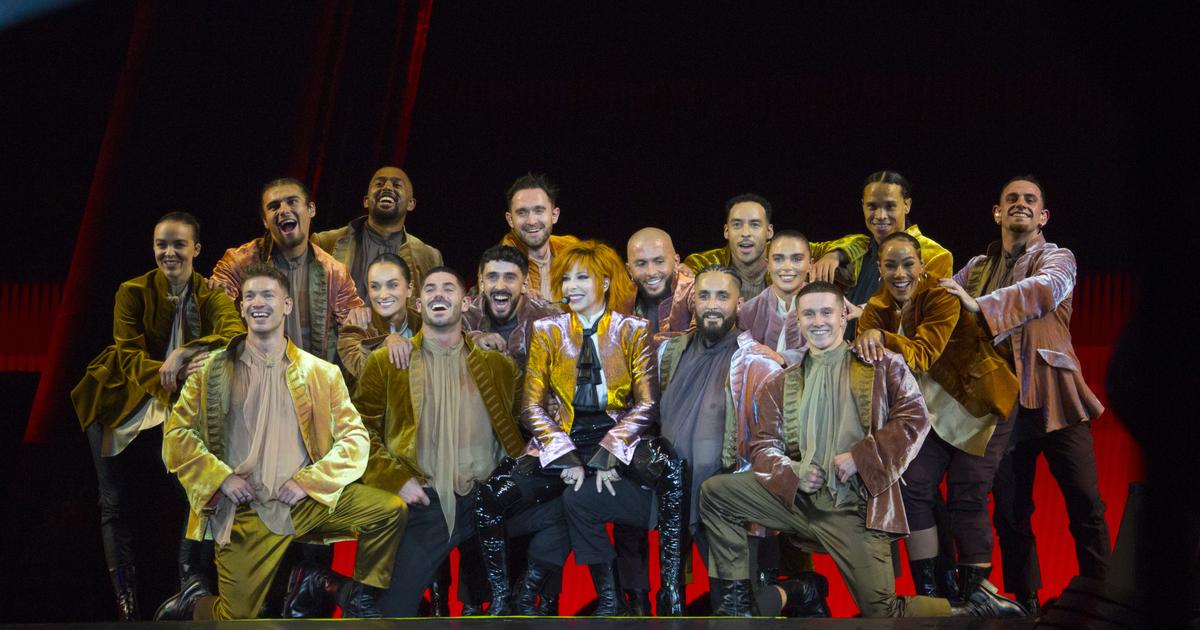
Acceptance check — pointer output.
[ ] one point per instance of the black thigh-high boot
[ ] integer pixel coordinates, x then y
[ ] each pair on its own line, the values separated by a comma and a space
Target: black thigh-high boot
499, 493
673, 513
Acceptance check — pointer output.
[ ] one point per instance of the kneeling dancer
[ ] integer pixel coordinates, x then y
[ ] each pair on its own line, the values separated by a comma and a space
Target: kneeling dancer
851, 429
266, 445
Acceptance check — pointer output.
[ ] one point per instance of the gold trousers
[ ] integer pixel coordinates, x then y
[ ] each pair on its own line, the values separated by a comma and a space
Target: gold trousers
863, 556
246, 566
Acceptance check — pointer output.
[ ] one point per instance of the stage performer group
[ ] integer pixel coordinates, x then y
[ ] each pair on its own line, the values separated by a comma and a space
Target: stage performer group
763, 401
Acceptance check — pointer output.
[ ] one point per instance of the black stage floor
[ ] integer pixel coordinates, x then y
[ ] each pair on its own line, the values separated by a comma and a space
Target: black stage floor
579, 623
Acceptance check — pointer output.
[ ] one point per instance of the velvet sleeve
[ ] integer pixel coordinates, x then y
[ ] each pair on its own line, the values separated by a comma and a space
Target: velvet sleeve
1011, 307
883, 455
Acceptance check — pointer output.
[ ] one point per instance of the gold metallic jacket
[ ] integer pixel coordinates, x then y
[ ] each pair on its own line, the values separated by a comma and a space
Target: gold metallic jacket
894, 419
1036, 312
331, 291
196, 433
938, 260
126, 372
952, 348
749, 367
629, 369
390, 401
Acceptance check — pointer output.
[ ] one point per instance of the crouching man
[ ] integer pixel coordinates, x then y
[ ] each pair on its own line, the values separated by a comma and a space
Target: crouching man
266, 445
851, 429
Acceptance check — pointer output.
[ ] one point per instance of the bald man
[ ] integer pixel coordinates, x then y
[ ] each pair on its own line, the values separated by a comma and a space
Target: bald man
664, 286
388, 202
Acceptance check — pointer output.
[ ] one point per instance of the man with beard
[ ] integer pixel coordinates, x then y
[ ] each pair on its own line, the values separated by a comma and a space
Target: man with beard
770, 317
1021, 293
502, 318
853, 260
389, 201
267, 447
664, 296
164, 324
830, 438
531, 215
438, 428
747, 230
709, 377
322, 290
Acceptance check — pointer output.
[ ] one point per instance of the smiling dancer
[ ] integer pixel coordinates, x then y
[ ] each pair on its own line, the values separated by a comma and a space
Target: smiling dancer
531, 214
393, 322
164, 324
969, 390
664, 296
747, 230
770, 317
267, 446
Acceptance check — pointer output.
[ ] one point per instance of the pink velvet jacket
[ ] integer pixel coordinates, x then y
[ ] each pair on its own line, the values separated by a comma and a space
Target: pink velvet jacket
895, 422
759, 316
628, 364
530, 308
1035, 310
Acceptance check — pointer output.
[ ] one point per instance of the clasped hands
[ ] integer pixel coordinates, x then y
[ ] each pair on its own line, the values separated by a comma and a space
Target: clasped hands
574, 476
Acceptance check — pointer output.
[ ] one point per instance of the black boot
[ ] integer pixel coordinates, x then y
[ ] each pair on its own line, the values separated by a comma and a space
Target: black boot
311, 592
673, 488
439, 591
806, 594
551, 588
494, 498
982, 599
947, 579
732, 598
495, 562
637, 603
179, 606
359, 601
605, 581
923, 576
525, 602
124, 585
1029, 601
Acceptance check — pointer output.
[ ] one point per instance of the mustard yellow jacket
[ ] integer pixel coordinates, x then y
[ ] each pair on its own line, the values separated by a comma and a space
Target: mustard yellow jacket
121, 377
195, 438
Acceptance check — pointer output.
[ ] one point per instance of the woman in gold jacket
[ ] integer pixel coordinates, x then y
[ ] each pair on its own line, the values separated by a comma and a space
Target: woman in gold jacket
969, 390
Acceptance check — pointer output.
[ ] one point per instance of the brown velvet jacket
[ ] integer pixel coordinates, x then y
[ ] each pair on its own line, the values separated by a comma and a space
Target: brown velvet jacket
950, 347
530, 308
125, 373
894, 420
355, 344
390, 400
1035, 310
331, 291
533, 281
196, 433
628, 364
342, 244
749, 367
674, 314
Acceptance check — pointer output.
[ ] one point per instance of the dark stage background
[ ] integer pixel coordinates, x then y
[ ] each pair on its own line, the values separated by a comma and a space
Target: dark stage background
114, 113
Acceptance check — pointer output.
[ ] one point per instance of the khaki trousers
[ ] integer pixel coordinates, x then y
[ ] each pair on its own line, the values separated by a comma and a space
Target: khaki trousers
863, 557
246, 566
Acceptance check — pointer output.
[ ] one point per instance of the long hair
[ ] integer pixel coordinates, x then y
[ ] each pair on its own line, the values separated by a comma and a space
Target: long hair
602, 262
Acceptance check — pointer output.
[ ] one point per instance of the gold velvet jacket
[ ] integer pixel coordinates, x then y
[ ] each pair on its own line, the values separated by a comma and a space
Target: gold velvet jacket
629, 370
950, 347
355, 344
1035, 310
331, 291
938, 260
195, 437
390, 400
895, 423
125, 373
749, 367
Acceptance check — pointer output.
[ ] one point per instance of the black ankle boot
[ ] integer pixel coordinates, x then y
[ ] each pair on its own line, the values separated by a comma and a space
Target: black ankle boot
179, 606
547, 605
359, 601
983, 600
124, 585
311, 592
1029, 601
806, 595
947, 579
733, 598
605, 581
637, 603
923, 576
